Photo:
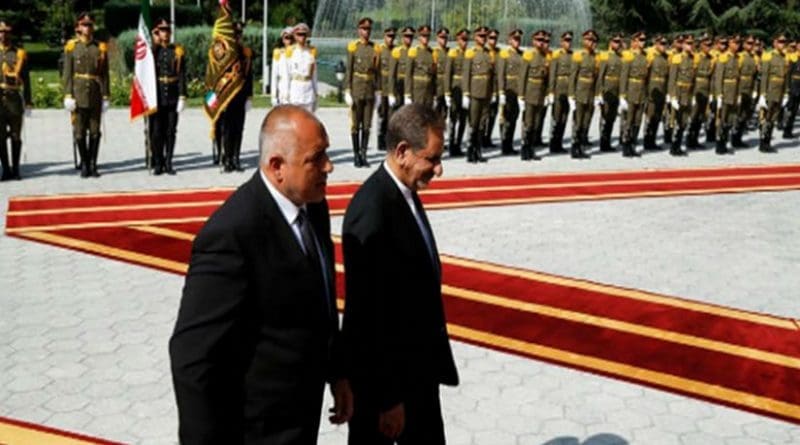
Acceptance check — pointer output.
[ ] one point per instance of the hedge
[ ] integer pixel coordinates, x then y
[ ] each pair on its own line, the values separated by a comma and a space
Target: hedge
121, 15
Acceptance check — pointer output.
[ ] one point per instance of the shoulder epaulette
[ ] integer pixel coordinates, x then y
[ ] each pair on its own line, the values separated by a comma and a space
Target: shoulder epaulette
628, 56
179, 52
20, 54
453, 53
277, 53
527, 55
548, 57
352, 46
102, 46
556, 54
70, 45
470, 54
505, 53
412, 53
651, 56
677, 58
577, 56
435, 55
724, 58
313, 50
288, 51
397, 52
602, 56
766, 57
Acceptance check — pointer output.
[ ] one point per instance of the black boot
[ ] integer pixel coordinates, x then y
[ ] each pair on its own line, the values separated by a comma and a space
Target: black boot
94, 149
557, 140
83, 151
766, 140
363, 148
525, 150
4, 160
356, 149
382, 142
675, 147
169, 149
16, 152
577, 152
529, 148
668, 136
736, 139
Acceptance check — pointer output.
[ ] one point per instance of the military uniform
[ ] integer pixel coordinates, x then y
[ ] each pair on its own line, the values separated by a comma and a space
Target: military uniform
583, 90
15, 95
656, 95
440, 55
633, 90
681, 93
558, 86
747, 91
477, 77
608, 87
726, 87
533, 93
86, 82
793, 77
704, 69
713, 106
420, 78
487, 125
384, 52
454, 94
278, 68
361, 85
397, 72
510, 67
171, 85
667, 116
300, 73
774, 67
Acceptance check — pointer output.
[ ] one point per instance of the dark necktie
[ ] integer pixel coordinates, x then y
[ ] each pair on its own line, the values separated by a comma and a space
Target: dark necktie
427, 233
310, 245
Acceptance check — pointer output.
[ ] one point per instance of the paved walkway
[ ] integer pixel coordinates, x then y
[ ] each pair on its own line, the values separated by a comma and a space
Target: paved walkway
83, 340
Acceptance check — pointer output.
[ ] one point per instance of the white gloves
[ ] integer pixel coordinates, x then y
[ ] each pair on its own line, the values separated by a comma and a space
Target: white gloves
106, 104
623, 105
598, 101
28, 111
465, 102
785, 100
378, 97
548, 100
694, 101
181, 105
348, 99
674, 103
762, 103
502, 99
521, 102
755, 95
448, 101
571, 101
494, 99
407, 100
392, 100
248, 105
69, 104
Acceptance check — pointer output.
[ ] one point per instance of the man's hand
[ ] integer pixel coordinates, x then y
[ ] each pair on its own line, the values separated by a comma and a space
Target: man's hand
392, 422
342, 409
548, 100
69, 104
571, 102
105, 105
181, 105
762, 103
502, 100
465, 102
448, 101
392, 100
348, 99
674, 103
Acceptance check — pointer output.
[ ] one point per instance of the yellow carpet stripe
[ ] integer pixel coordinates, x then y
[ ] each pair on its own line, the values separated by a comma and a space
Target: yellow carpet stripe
163, 231
102, 225
115, 208
11, 434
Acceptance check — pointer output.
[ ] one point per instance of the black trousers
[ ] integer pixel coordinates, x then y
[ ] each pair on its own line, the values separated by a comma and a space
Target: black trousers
423, 423
230, 126
163, 126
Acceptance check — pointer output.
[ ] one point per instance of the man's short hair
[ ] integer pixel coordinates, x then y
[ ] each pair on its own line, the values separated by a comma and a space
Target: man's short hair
411, 124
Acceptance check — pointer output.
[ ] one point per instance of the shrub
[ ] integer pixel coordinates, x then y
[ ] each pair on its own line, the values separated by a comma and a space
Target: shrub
121, 15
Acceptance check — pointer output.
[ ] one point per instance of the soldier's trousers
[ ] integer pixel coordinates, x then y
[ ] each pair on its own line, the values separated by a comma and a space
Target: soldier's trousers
531, 127
767, 119
679, 120
163, 126
790, 115
583, 118
478, 109
745, 112
726, 119
86, 119
711, 122
654, 112
458, 122
383, 122
361, 114
509, 125
608, 114
699, 113
440, 105
487, 123
632, 123
559, 122
232, 128
10, 125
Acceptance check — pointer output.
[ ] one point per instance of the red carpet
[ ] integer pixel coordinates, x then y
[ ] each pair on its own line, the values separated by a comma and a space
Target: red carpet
727, 356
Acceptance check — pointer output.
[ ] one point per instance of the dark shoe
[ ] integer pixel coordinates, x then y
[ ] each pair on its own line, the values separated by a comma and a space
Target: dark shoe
354, 139
157, 171
16, 152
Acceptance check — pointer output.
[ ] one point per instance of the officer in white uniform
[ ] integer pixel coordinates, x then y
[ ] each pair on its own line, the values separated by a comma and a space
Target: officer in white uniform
300, 68
278, 60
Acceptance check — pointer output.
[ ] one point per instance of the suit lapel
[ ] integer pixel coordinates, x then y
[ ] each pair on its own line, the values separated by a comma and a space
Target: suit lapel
284, 237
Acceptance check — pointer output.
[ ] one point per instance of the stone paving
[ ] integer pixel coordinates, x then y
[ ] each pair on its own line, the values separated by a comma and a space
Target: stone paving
83, 339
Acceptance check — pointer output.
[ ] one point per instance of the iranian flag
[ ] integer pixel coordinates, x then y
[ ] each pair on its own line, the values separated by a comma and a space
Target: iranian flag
144, 99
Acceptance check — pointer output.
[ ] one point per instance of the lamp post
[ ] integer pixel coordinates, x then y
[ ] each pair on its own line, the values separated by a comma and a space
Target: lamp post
339, 70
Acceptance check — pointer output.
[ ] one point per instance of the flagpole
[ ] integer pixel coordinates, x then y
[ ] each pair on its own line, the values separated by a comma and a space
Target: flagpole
264, 55
244, 11
172, 20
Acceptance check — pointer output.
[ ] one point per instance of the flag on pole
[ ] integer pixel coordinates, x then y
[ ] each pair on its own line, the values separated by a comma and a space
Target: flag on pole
144, 98
224, 72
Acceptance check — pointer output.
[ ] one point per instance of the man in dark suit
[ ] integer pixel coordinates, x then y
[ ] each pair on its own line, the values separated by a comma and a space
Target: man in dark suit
397, 351
257, 328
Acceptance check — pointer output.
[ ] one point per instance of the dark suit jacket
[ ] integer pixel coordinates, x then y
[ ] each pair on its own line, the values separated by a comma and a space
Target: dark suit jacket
252, 345
394, 332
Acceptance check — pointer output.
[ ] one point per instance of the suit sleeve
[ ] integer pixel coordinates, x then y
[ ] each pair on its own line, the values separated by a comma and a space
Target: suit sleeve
207, 346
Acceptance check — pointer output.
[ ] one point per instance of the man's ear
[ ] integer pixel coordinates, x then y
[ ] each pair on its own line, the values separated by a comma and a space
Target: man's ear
401, 152
274, 164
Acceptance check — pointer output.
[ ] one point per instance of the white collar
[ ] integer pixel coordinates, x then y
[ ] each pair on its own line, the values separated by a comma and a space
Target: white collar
287, 207
403, 188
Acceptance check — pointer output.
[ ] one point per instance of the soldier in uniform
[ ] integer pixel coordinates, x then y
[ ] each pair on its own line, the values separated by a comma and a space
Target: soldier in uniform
656, 91
420, 81
747, 91
397, 69
86, 90
509, 70
703, 69
15, 100
633, 92
230, 124
677, 48
532, 89
608, 88
494, 107
278, 59
440, 55
681, 92
384, 51
793, 77
773, 92
726, 86
720, 45
171, 85
360, 84
454, 95
539, 128
558, 91
300, 83
583, 93
477, 76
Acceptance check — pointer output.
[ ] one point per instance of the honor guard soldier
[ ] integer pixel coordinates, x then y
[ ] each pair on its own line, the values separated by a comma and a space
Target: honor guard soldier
676, 48
240, 104
171, 86
454, 95
360, 83
773, 91
15, 100
477, 77
720, 45
278, 61
608, 88
300, 84
397, 69
793, 77
491, 116
747, 90
420, 79
440, 54
726, 86
582, 93
509, 70
558, 91
703, 70
384, 51
86, 90
656, 91
537, 135
681, 92
633, 92
532, 89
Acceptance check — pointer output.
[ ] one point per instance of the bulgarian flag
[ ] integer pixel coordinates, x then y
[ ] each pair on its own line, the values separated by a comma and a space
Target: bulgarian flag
144, 99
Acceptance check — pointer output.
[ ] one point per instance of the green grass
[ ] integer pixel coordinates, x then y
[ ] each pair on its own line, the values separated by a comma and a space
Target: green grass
47, 76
